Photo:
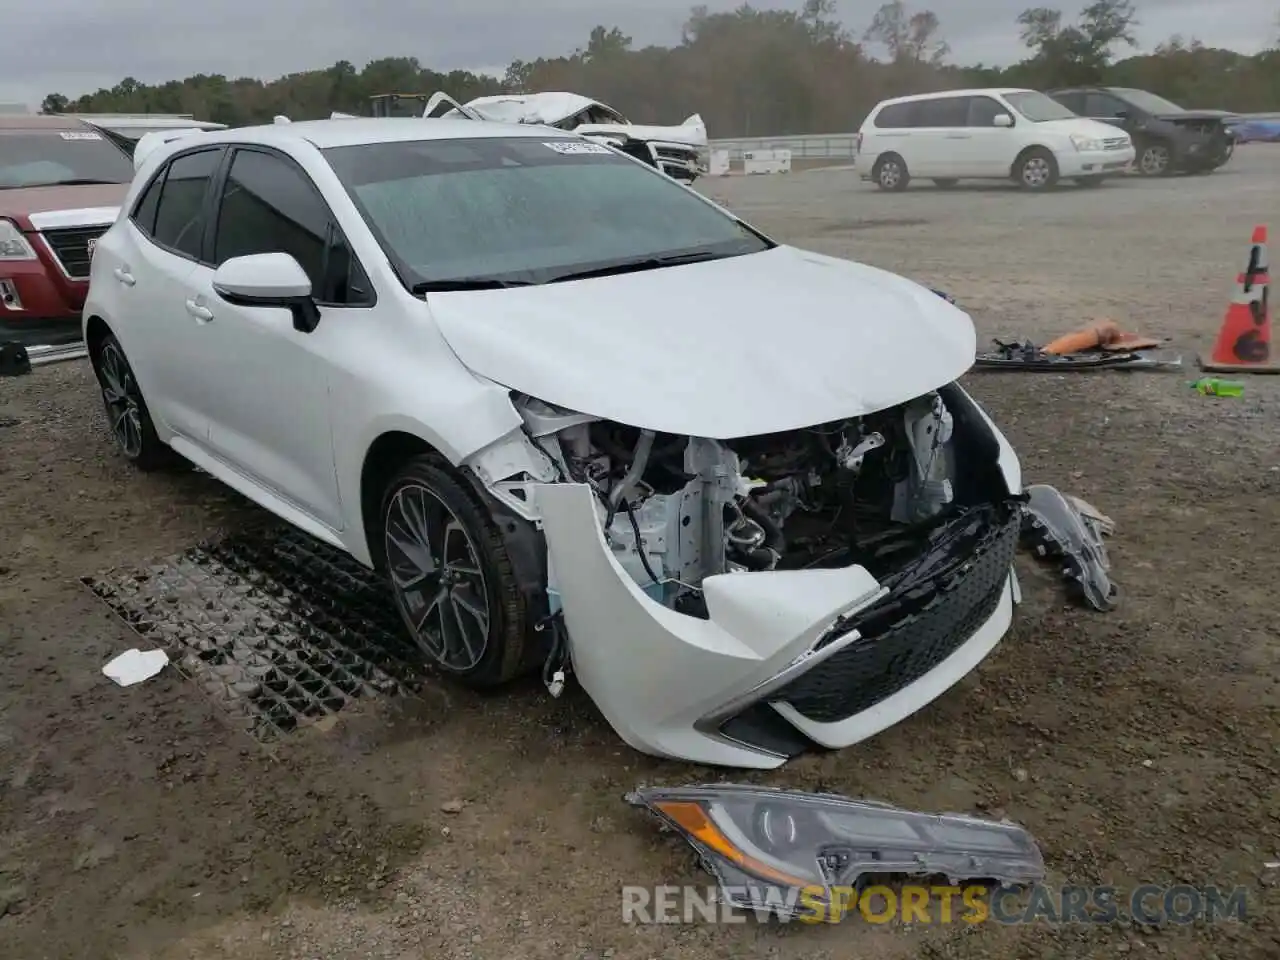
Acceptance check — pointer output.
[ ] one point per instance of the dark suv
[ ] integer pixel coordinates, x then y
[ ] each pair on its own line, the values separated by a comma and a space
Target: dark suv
1167, 138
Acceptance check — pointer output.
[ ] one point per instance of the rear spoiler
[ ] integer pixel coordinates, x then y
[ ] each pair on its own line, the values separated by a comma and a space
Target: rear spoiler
148, 143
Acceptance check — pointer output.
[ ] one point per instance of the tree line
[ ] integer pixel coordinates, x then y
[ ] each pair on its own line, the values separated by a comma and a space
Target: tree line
751, 72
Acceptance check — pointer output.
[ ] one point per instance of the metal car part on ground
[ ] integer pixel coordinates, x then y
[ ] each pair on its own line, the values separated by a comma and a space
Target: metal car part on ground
1069, 531
800, 855
1023, 355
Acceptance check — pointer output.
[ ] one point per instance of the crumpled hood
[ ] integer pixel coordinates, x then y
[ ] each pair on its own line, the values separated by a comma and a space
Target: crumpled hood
693, 132
729, 348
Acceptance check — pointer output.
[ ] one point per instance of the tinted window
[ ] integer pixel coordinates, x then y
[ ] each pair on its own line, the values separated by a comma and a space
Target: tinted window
895, 116
270, 206
180, 220
144, 213
40, 157
983, 111
1037, 107
1104, 105
942, 112
1072, 101
528, 209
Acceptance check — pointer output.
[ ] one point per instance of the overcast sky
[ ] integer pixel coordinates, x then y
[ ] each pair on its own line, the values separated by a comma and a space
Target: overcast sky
76, 46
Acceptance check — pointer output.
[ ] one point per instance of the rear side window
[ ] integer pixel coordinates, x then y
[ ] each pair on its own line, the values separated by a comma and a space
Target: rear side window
180, 219
144, 212
895, 116
1105, 105
943, 112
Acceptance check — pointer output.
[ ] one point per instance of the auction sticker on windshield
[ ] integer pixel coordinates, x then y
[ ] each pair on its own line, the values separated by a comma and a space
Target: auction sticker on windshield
573, 148
80, 135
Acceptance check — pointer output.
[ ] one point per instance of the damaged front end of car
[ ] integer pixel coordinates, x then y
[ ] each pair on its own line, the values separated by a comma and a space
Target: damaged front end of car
736, 602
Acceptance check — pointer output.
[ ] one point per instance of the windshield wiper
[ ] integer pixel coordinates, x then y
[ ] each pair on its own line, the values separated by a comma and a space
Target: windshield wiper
76, 182
465, 283
646, 263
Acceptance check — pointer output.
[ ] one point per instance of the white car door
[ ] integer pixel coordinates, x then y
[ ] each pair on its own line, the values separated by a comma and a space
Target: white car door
940, 141
992, 148
151, 259
271, 418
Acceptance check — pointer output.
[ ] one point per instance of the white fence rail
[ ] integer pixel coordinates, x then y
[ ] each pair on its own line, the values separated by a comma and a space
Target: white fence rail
822, 146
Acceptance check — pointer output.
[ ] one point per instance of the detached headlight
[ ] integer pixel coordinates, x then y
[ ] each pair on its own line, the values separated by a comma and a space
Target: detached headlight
1084, 144
13, 245
804, 854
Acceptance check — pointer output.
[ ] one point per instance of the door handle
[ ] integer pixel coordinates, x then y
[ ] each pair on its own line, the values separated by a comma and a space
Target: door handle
124, 276
203, 314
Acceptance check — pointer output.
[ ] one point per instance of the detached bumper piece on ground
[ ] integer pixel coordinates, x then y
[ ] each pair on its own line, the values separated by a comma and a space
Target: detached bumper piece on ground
1023, 355
1069, 531
806, 856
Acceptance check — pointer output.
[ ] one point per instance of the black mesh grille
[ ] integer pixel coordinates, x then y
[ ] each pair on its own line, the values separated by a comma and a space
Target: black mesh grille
71, 246
895, 652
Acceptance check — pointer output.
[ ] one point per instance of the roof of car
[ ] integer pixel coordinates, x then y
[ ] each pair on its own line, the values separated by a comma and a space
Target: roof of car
350, 132
38, 121
977, 91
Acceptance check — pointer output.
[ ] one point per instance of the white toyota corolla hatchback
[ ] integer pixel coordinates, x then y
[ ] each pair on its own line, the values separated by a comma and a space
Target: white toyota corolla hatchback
581, 417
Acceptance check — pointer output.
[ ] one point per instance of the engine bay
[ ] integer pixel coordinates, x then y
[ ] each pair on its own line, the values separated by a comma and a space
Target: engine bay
676, 509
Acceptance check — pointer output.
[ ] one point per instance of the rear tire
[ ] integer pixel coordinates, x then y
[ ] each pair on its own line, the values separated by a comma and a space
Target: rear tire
890, 173
1155, 159
128, 419
1036, 169
451, 577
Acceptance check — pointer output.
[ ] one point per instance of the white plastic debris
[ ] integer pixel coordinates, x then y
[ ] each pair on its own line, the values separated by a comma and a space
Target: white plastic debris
134, 666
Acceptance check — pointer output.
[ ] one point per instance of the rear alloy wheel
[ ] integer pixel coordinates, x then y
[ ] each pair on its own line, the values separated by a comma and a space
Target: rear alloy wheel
1154, 160
891, 173
127, 416
1037, 170
450, 575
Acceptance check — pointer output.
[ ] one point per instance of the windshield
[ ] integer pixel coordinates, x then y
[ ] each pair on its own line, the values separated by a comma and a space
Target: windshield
37, 158
1147, 102
527, 210
1037, 107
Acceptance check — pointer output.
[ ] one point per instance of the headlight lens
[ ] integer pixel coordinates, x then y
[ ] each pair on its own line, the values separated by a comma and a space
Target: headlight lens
13, 245
1085, 144
789, 852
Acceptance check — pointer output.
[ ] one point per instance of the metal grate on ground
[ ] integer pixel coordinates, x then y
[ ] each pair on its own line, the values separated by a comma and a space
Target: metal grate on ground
279, 629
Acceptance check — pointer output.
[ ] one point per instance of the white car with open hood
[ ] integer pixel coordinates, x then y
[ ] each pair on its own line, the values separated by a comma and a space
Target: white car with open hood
730, 486
680, 152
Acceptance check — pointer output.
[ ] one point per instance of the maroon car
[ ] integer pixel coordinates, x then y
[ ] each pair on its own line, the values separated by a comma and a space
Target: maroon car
61, 183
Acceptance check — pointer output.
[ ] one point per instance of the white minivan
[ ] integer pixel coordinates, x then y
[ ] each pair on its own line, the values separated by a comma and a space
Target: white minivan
995, 134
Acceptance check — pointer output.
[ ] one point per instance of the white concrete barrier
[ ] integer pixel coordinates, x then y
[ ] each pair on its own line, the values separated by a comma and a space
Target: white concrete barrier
766, 161
718, 163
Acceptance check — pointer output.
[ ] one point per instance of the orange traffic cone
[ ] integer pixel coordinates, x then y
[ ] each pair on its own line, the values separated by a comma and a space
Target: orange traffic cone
1244, 342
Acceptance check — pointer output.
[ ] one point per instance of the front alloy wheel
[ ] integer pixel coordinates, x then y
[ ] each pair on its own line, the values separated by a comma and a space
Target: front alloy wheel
1039, 170
451, 578
435, 568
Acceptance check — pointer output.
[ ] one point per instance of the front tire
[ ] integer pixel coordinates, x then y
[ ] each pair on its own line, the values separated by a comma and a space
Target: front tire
1037, 169
129, 420
451, 577
891, 173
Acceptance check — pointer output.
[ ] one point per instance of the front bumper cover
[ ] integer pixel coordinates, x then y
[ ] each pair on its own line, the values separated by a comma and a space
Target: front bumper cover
785, 659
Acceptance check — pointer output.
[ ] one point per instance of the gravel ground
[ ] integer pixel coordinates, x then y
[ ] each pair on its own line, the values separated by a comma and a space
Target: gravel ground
1138, 746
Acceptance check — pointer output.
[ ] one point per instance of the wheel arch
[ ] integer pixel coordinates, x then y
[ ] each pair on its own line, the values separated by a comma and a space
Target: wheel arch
388, 452
1027, 150
96, 330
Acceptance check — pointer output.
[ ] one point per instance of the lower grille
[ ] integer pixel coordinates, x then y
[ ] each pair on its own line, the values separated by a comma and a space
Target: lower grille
71, 246
892, 655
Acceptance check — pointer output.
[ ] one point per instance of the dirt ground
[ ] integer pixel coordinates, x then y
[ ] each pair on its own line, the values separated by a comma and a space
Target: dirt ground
1138, 746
